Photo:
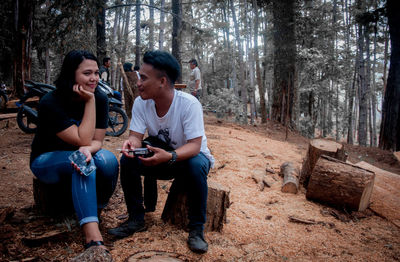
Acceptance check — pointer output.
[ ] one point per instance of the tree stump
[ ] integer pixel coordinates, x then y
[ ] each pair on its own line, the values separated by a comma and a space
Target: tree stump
316, 148
340, 185
290, 178
54, 199
176, 209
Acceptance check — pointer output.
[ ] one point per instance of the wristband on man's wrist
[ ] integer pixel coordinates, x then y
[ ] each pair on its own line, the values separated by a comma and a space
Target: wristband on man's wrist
174, 157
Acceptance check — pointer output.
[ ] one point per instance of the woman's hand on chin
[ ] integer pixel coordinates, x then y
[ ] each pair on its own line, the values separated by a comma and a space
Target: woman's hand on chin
83, 94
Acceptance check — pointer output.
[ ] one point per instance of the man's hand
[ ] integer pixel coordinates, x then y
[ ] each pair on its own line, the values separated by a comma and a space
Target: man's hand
160, 156
126, 147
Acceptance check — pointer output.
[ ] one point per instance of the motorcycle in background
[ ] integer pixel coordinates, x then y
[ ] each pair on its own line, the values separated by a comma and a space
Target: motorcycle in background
117, 117
27, 116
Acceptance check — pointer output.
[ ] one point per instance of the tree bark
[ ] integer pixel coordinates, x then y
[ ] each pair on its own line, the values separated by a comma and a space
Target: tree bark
261, 88
290, 178
316, 148
341, 185
390, 129
176, 210
52, 199
243, 87
23, 16
137, 42
284, 58
176, 33
363, 106
162, 25
101, 30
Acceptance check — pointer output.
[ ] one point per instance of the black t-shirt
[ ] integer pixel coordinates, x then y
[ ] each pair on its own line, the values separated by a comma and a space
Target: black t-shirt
56, 115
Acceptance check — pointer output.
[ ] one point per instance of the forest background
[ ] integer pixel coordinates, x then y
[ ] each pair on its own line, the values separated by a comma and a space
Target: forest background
325, 68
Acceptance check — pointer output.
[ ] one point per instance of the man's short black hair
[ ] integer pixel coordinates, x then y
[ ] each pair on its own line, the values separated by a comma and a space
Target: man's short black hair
106, 59
193, 61
136, 68
164, 62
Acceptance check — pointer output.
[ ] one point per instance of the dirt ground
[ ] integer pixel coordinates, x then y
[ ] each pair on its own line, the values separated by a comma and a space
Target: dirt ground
258, 227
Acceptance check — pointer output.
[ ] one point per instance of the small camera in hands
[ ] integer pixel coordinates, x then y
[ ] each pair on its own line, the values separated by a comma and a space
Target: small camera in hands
143, 152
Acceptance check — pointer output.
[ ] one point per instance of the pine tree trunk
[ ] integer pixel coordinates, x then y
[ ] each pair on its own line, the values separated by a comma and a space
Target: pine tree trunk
137, 41
261, 88
243, 87
363, 105
390, 130
126, 31
101, 30
162, 25
177, 33
284, 58
23, 21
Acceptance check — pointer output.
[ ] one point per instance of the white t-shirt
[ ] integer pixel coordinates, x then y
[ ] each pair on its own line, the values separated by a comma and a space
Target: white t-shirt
182, 122
194, 75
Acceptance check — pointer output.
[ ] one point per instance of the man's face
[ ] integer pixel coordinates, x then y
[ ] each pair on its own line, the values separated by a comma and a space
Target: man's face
192, 66
150, 82
108, 63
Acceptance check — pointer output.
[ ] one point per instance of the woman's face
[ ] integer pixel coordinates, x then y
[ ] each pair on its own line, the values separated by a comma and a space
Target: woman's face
87, 75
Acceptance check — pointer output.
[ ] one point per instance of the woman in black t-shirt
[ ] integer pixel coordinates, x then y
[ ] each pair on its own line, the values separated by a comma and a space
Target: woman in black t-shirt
74, 117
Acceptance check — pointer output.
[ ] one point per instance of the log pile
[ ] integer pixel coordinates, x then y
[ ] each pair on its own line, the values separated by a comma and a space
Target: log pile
341, 185
176, 209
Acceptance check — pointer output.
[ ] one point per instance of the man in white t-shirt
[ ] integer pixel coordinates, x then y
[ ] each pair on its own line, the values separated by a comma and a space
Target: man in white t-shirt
195, 79
174, 122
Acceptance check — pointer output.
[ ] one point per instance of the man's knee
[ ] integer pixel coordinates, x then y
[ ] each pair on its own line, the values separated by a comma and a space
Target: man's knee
199, 164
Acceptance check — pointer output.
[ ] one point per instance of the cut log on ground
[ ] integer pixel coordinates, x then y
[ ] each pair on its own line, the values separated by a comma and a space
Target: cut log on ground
290, 178
176, 209
8, 116
340, 185
385, 199
52, 199
316, 148
397, 155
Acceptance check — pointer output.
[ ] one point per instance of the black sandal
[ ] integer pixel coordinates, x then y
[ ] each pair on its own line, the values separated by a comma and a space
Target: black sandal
95, 243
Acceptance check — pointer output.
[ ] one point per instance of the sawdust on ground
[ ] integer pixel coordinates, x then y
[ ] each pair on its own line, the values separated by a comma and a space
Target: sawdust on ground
258, 227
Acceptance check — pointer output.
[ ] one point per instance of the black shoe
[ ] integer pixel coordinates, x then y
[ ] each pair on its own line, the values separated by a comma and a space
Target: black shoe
196, 241
127, 228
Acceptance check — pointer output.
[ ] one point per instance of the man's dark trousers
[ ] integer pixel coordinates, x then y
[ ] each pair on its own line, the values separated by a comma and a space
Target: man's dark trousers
190, 174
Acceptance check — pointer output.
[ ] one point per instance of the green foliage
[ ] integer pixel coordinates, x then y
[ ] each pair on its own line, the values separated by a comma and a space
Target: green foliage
225, 104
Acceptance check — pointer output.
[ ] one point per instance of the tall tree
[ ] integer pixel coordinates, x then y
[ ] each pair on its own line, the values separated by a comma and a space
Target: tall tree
162, 25
176, 33
261, 89
243, 87
137, 42
390, 128
284, 60
151, 26
23, 17
101, 29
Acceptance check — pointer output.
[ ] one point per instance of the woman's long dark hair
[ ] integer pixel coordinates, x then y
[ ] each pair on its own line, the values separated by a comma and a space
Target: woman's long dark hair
71, 62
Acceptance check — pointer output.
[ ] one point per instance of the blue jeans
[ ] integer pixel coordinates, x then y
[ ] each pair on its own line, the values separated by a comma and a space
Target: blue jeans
88, 192
190, 174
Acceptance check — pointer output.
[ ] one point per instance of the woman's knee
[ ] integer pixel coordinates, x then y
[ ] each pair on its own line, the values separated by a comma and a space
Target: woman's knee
106, 162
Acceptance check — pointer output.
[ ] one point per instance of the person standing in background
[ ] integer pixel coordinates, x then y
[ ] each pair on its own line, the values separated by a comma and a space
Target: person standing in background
195, 79
104, 70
